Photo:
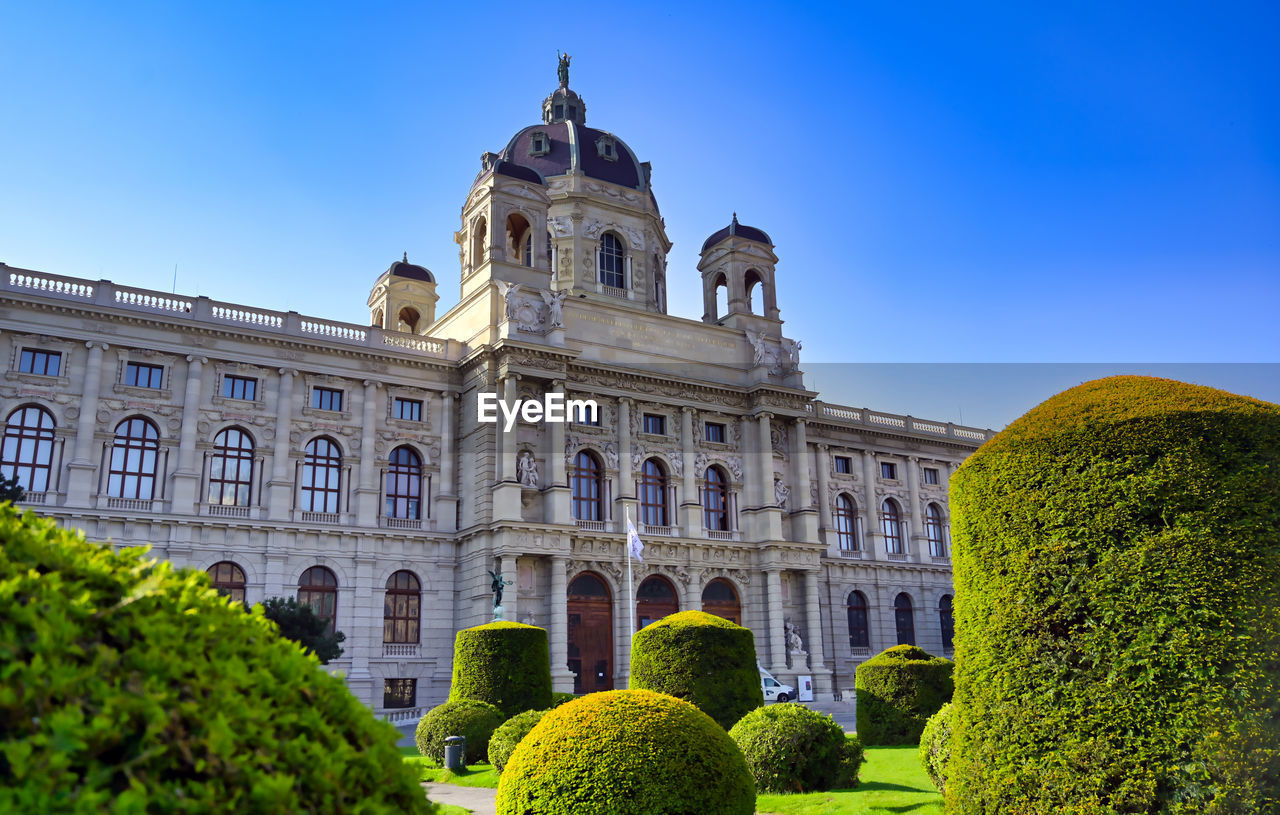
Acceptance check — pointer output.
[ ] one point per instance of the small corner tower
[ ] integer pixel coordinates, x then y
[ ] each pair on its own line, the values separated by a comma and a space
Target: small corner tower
740, 260
404, 298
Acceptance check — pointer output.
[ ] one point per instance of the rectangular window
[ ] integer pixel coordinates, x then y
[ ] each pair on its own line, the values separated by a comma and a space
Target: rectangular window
399, 693
655, 425
930, 475
888, 471
844, 465
45, 363
408, 410
715, 432
141, 375
586, 412
326, 399
240, 387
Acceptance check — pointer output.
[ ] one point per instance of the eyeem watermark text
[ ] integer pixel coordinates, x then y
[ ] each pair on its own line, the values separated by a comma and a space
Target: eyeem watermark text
553, 408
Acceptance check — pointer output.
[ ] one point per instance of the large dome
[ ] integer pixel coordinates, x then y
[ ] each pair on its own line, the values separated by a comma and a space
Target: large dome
563, 147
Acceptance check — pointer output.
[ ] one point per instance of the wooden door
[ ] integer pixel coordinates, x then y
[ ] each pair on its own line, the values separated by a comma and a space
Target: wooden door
590, 608
720, 599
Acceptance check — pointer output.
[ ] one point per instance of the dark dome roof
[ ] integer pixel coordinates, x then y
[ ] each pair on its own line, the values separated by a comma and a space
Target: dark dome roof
570, 145
737, 230
403, 268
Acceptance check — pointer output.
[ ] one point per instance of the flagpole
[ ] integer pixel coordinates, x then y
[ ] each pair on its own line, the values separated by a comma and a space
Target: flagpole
631, 598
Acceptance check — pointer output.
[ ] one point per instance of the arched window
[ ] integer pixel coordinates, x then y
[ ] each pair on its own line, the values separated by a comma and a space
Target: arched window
655, 599
715, 501
520, 238
527, 254
859, 630
231, 468
404, 484
478, 243
845, 519
401, 609
750, 282
318, 588
933, 531
612, 263
321, 476
946, 621
586, 482
28, 448
228, 579
408, 320
653, 493
891, 526
133, 460
905, 621
720, 598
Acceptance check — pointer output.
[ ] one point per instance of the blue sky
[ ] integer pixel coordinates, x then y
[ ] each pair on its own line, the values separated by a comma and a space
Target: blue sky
957, 183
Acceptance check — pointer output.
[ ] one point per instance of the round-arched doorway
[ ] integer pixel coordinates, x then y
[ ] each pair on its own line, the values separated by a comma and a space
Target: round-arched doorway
720, 598
590, 607
655, 599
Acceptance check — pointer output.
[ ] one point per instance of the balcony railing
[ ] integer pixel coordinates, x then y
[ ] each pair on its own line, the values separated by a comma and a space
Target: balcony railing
851, 554
591, 526
143, 504
660, 531
721, 534
404, 714
224, 511
401, 523
409, 649
320, 517
898, 556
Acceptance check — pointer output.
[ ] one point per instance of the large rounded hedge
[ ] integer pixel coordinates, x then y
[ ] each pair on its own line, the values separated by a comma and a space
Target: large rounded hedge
508, 735
1117, 572
129, 685
898, 690
626, 752
470, 718
701, 658
505, 664
790, 748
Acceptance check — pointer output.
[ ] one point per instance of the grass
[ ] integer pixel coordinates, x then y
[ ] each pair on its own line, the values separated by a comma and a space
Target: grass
893, 782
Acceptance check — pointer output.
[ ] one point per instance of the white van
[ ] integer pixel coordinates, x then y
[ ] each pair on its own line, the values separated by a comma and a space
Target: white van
775, 691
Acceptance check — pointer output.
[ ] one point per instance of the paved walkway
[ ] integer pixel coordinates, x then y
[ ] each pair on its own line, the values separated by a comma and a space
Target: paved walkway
477, 799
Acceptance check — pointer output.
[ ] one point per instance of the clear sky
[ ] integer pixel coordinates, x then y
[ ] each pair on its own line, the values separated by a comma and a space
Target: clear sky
960, 183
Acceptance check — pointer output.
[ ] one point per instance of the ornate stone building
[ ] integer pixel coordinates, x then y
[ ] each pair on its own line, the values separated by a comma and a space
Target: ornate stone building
347, 465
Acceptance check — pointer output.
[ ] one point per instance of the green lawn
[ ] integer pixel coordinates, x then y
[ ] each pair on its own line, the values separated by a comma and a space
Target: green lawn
892, 782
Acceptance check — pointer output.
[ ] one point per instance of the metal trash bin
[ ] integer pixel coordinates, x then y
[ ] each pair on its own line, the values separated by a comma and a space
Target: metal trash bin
455, 747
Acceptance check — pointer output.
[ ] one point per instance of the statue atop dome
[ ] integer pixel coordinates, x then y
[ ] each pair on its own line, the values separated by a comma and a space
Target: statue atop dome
563, 71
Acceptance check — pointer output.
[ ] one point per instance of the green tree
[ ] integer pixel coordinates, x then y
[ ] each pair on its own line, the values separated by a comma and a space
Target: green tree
298, 622
10, 491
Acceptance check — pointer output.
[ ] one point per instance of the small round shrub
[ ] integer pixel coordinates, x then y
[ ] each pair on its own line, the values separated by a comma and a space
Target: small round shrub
1117, 575
505, 664
129, 685
701, 658
558, 698
790, 748
898, 690
935, 745
509, 734
626, 752
470, 718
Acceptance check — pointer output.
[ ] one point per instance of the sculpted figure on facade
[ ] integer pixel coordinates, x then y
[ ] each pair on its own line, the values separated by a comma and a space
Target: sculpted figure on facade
792, 350
527, 469
555, 307
780, 491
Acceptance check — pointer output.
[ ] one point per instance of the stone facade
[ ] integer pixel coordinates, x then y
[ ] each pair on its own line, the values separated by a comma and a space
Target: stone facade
563, 270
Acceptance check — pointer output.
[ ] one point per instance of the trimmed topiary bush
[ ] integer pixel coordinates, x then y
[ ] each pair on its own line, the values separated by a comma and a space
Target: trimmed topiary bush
471, 718
790, 748
129, 685
509, 734
558, 698
1117, 572
898, 690
505, 664
626, 752
935, 745
701, 658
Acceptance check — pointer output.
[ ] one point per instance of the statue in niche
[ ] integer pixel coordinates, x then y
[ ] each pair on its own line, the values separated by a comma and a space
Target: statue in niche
527, 469
780, 491
795, 645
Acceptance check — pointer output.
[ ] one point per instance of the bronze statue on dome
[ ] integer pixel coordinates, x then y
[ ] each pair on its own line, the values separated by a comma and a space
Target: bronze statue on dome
563, 70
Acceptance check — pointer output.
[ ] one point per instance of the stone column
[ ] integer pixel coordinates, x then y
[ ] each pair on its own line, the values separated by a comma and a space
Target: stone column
280, 487
558, 633
915, 536
186, 477
81, 469
804, 526
871, 525
751, 473
446, 498
507, 440
824, 496
556, 486
764, 440
626, 478
775, 616
367, 487
813, 631
690, 510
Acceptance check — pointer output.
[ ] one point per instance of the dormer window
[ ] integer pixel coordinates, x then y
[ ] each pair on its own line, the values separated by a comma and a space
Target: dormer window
607, 148
573, 112
559, 110
539, 144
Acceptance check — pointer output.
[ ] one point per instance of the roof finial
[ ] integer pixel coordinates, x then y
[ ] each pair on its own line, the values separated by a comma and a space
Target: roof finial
563, 71
406, 257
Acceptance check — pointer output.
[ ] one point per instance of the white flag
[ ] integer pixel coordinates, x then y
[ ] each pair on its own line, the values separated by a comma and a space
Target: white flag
634, 545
